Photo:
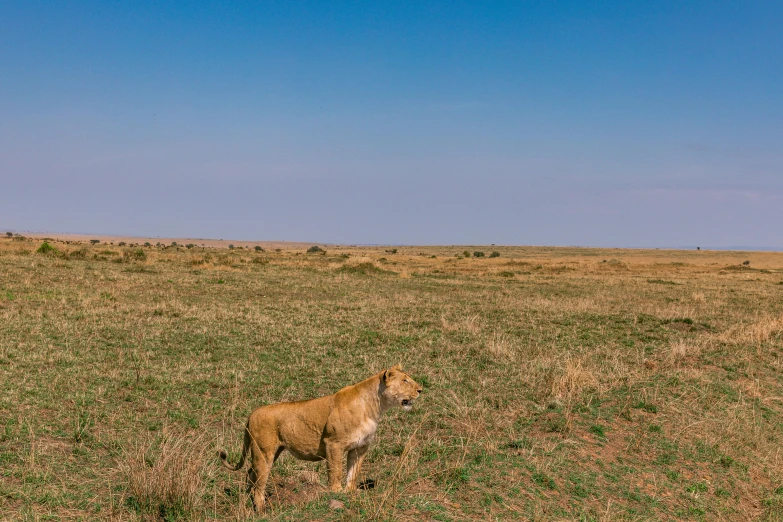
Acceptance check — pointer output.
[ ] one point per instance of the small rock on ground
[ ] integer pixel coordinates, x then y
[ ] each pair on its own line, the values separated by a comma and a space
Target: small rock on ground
336, 505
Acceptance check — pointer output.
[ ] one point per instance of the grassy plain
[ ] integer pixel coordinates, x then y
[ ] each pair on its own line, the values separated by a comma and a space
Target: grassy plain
560, 383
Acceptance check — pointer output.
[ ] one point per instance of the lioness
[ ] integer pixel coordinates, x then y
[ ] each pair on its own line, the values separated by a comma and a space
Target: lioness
323, 428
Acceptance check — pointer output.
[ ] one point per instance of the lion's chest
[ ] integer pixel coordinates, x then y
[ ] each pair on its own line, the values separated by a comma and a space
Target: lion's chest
363, 434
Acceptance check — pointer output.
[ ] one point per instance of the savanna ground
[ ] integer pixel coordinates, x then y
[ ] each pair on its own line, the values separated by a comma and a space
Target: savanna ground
560, 383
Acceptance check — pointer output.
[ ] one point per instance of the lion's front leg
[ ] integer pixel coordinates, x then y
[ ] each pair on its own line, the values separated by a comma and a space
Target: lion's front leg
334, 466
355, 459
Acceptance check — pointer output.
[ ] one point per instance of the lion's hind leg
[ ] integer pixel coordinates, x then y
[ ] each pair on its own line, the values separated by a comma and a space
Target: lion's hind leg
258, 474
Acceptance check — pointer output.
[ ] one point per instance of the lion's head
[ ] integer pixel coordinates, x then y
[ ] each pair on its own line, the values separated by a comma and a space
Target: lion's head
399, 388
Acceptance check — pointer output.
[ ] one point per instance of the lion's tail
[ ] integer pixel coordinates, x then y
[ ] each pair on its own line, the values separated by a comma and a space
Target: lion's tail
245, 449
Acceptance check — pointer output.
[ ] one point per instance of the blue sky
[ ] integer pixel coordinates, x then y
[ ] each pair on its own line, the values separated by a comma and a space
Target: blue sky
549, 123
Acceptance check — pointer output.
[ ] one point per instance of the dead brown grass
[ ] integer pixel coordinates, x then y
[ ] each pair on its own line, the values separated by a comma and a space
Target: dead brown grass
166, 476
646, 387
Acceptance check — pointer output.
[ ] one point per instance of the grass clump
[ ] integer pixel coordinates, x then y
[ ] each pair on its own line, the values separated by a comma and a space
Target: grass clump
137, 254
494, 254
543, 480
646, 406
598, 430
315, 249
166, 477
363, 268
80, 253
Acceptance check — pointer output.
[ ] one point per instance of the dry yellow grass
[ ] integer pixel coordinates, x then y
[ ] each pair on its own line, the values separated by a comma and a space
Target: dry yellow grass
560, 383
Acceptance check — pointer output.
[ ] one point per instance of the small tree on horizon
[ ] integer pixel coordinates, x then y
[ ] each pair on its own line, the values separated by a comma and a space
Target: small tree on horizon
46, 248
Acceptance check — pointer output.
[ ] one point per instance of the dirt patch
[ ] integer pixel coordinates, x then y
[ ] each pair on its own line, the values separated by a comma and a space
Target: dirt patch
294, 490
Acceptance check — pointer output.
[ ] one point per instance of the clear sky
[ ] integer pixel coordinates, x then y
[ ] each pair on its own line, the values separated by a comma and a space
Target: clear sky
551, 123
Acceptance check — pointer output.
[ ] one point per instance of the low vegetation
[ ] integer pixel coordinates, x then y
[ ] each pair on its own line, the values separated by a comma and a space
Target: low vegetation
559, 383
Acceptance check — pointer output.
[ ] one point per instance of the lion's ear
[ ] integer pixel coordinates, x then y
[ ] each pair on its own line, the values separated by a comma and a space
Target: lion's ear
397, 367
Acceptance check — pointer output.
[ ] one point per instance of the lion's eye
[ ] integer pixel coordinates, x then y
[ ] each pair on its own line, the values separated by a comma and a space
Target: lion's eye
405, 380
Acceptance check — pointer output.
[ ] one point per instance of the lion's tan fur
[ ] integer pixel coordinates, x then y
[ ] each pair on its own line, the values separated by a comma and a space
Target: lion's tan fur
323, 428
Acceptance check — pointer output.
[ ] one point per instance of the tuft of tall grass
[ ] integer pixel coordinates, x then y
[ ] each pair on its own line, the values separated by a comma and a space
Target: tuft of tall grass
168, 476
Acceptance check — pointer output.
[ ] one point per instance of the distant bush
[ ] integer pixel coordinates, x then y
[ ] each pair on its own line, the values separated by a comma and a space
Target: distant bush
365, 268
94, 241
478, 253
147, 244
207, 258
173, 243
258, 249
746, 263
137, 254
189, 246
9, 234
495, 254
466, 253
260, 260
46, 248
315, 249
78, 254
506, 273
392, 251
17, 237
231, 247
122, 243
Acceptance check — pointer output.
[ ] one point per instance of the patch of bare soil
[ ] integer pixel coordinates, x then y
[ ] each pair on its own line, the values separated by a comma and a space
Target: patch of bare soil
294, 490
